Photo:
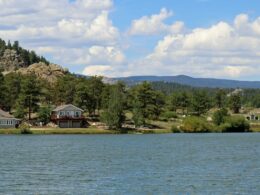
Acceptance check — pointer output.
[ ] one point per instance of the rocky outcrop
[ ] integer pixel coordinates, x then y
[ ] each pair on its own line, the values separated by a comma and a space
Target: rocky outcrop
11, 61
49, 72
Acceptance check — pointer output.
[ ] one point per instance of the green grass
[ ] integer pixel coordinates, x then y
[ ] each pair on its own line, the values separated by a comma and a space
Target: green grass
255, 127
91, 130
48, 131
166, 125
10, 131
161, 127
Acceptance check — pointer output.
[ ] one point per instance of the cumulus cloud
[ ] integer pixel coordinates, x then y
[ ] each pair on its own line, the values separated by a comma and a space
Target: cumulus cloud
77, 32
155, 24
97, 70
80, 34
222, 50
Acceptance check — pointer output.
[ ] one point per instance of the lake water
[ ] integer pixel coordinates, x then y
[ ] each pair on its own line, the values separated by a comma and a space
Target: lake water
130, 164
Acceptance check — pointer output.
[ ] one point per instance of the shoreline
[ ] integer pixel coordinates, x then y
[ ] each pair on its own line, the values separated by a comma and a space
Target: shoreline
94, 131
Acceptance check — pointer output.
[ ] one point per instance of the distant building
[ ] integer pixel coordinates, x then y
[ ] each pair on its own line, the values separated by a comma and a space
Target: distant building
68, 116
235, 92
253, 117
7, 120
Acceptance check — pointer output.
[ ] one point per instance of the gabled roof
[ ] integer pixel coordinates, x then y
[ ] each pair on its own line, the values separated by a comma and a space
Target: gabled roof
4, 115
63, 107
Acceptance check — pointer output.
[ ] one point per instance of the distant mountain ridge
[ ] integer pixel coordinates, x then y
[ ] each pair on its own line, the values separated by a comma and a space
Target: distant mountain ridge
187, 80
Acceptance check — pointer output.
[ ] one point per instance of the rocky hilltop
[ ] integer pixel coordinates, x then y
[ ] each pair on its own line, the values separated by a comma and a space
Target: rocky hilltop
49, 72
11, 61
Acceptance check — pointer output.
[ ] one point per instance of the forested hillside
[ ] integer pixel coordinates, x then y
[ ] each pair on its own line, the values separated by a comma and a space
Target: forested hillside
13, 56
194, 82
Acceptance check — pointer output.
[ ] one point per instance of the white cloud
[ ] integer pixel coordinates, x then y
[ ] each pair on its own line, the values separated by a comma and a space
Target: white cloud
152, 25
81, 34
97, 70
222, 50
72, 32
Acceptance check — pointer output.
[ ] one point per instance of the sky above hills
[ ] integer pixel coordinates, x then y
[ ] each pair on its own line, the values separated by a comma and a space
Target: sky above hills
200, 38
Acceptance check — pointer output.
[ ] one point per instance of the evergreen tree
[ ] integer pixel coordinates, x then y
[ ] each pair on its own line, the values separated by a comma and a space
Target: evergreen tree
82, 97
114, 114
146, 103
13, 88
64, 90
220, 98
219, 116
157, 106
9, 45
20, 107
138, 116
235, 102
29, 97
44, 114
2, 47
200, 102
3, 95
144, 95
16, 46
179, 101
96, 86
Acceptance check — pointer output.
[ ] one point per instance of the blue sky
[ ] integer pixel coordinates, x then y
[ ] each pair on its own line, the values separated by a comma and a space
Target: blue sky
200, 38
195, 13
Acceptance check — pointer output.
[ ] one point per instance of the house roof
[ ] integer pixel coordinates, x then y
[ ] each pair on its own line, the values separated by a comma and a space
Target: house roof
4, 115
64, 107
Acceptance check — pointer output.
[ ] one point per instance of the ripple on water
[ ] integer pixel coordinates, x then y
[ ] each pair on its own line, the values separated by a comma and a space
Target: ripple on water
130, 164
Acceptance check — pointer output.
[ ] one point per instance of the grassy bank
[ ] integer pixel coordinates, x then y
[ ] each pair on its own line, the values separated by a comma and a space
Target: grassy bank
91, 130
86, 131
159, 128
255, 127
49, 131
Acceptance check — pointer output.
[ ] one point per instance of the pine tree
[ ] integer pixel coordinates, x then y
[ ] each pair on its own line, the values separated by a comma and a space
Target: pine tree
220, 98
235, 103
3, 95
29, 96
200, 102
114, 116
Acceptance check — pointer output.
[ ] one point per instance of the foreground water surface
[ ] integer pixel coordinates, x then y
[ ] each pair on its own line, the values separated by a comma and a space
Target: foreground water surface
130, 164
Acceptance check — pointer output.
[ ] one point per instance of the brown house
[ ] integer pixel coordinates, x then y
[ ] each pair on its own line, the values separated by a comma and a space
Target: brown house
68, 116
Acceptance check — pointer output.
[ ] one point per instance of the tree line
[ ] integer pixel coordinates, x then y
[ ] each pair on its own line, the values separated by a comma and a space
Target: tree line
28, 57
23, 95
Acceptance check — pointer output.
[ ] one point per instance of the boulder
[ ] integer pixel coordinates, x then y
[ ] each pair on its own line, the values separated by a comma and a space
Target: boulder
49, 72
11, 61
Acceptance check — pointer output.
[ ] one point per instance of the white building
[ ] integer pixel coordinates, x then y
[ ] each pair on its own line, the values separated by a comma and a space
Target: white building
7, 120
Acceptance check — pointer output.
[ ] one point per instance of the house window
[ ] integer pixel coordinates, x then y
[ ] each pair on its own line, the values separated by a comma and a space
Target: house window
77, 114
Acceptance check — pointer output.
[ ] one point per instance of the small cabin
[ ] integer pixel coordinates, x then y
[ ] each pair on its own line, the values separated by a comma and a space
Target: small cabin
253, 117
8, 121
68, 116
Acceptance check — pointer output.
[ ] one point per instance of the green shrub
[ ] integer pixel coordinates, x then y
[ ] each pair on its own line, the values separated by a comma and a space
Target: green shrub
219, 116
196, 124
175, 129
44, 114
168, 115
25, 129
235, 124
